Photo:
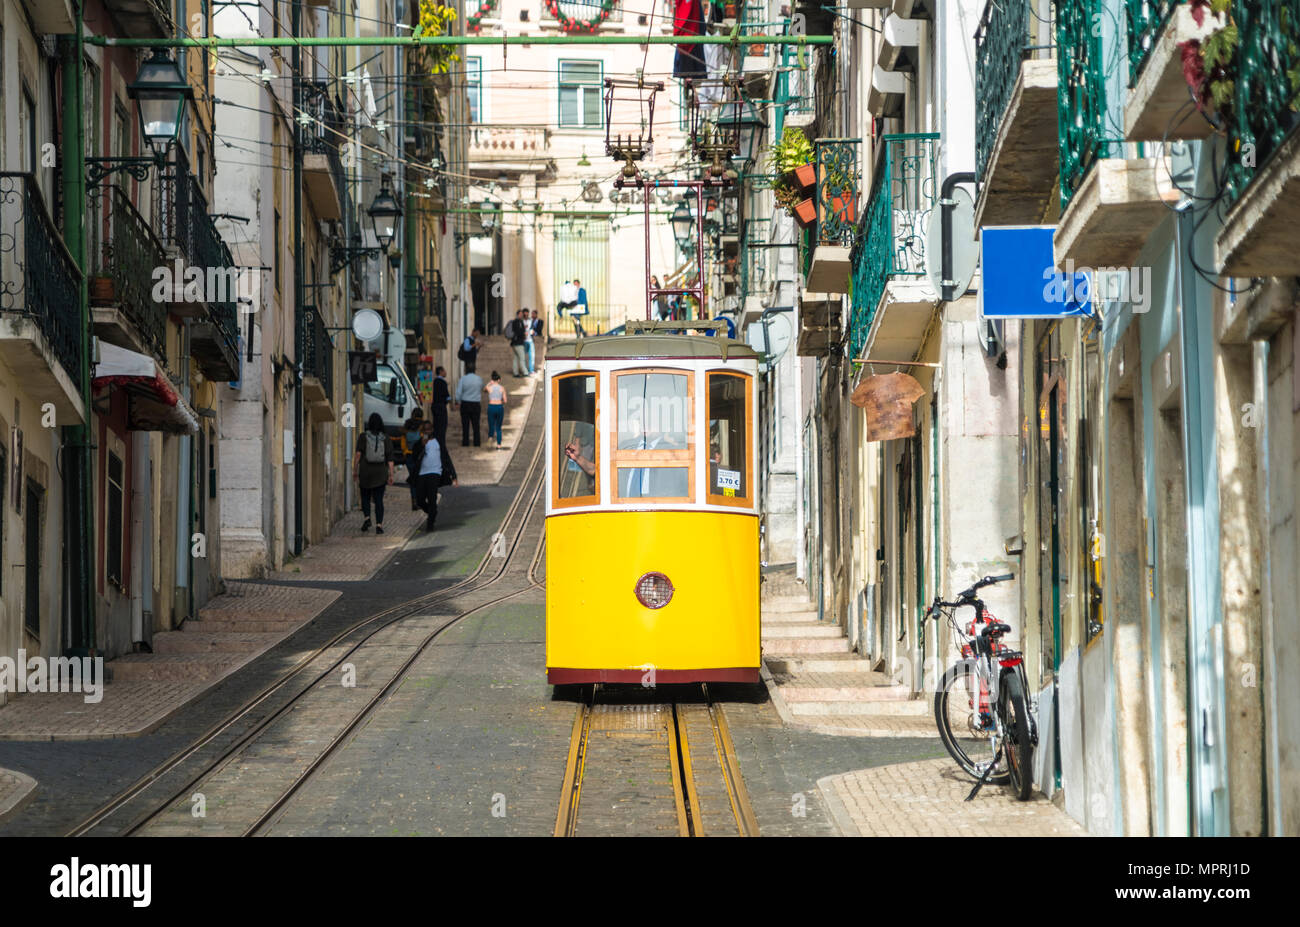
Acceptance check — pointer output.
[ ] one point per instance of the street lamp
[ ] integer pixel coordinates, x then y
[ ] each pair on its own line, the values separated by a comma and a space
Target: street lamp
488, 217
752, 126
683, 223
384, 212
160, 92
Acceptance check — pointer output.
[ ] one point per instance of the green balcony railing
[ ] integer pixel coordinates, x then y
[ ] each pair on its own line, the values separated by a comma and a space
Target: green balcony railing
1010, 32
754, 266
793, 93
1266, 94
318, 351
1144, 19
1089, 130
838, 183
891, 242
415, 303
131, 254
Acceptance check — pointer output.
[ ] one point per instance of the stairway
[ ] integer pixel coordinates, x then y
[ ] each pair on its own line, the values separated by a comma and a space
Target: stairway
816, 680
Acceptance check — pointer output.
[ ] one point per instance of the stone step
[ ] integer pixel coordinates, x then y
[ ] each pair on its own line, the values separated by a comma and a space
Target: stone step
772, 605
194, 641
911, 708
796, 621
793, 692
847, 662
800, 630
173, 667
798, 645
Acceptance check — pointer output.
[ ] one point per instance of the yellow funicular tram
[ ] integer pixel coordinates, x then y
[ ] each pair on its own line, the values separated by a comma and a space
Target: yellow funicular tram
652, 528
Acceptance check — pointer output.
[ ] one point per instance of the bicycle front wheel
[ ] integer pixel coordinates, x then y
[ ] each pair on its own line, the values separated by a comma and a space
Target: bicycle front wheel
1017, 747
964, 714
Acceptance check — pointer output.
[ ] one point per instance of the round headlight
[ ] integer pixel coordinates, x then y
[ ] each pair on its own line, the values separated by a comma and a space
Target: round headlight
654, 590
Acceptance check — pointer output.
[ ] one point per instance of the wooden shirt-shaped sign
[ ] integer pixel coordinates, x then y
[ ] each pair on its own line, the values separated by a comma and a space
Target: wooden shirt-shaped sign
887, 400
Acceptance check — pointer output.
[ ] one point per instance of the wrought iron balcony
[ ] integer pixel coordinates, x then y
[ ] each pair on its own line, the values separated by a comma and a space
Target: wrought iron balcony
1145, 19
142, 19
891, 243
754, 258
130, 256
1266, 98
39, 281
214, 339
838, 181
322, 167
1010, 33
416, 302
1089, 130
438, 298
317, 358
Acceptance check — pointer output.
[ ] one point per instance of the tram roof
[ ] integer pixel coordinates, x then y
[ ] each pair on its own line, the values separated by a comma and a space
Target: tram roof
602, 347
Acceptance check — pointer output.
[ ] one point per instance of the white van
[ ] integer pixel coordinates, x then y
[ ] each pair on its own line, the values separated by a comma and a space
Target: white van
392, 395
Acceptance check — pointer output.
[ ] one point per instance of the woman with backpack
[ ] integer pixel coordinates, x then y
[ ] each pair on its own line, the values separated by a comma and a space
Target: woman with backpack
373, 465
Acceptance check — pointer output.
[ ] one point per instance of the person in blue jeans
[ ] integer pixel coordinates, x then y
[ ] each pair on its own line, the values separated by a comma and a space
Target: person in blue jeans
496, 407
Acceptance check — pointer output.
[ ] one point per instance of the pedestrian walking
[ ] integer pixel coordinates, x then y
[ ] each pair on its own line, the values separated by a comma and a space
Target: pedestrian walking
373, 465
496, 407
436, 470
529, 334
578, 312
468, 352
469, 393
538, 341
441, 398
517, 332
411, 429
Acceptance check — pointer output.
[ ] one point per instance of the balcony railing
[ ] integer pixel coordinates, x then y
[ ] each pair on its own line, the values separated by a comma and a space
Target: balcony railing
415, 302
438, 298
1010, 32
891, 242
38, 277
191, 230
508, 142
838, 182
1088, 129
326, 133
1266, 97
318, 351
1145, 19
754, 265
130, 256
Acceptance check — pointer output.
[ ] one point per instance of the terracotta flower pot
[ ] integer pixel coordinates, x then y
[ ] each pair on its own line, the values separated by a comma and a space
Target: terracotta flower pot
844, 207
729, 10
805, 176
101, 291
805, 213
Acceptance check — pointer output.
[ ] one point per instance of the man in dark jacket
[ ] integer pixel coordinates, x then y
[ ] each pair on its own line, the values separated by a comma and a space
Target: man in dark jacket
435, 469
441, 396
517, 331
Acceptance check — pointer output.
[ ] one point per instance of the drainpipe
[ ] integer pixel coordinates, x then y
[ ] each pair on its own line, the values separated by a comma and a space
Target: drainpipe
181, 598
1273, 761
78, 523
295, 67
946, 206
139, 486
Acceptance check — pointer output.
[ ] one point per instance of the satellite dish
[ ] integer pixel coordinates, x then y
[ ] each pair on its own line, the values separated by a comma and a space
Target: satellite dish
770, 336
965, 250
367, 324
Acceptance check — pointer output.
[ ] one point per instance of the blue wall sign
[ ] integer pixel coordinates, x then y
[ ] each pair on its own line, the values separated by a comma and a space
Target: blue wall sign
1021, 280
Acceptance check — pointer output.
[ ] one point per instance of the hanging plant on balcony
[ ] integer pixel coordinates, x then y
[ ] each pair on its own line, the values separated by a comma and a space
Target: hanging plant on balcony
792, 158
475, 21
435, 19
839, 196
574, 25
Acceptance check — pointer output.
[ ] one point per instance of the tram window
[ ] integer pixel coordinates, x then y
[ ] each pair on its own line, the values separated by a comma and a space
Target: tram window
653, 482
653, 410
575, 416
728, 436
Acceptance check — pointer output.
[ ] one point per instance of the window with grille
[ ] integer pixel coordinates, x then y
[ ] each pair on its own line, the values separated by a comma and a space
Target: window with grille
581, 105
114, 498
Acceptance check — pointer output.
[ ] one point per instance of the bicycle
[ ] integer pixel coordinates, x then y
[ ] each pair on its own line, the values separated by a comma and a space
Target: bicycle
993, 718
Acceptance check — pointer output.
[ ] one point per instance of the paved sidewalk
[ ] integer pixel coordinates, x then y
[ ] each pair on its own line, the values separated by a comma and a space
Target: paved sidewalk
927, 799
484, 465
351, 555
147, 689
16, 790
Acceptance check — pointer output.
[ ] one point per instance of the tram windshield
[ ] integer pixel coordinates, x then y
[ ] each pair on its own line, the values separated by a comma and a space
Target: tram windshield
654, 434
575, 416
728, 436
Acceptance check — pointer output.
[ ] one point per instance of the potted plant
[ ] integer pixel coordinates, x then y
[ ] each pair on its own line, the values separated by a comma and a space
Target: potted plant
793, 159
101, 290
729, 10
758, 50
839, 195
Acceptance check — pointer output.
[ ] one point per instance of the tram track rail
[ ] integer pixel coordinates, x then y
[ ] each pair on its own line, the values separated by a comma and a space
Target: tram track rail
693, 763
520, 514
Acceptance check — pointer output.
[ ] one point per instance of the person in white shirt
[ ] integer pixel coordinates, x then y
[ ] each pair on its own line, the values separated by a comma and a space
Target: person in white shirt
435, 470
469, 394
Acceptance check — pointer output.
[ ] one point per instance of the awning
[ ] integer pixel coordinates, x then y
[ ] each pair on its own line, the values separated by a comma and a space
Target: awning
152, 402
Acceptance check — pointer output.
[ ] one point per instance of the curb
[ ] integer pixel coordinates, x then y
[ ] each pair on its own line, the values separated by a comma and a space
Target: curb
839, 814
21, 797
